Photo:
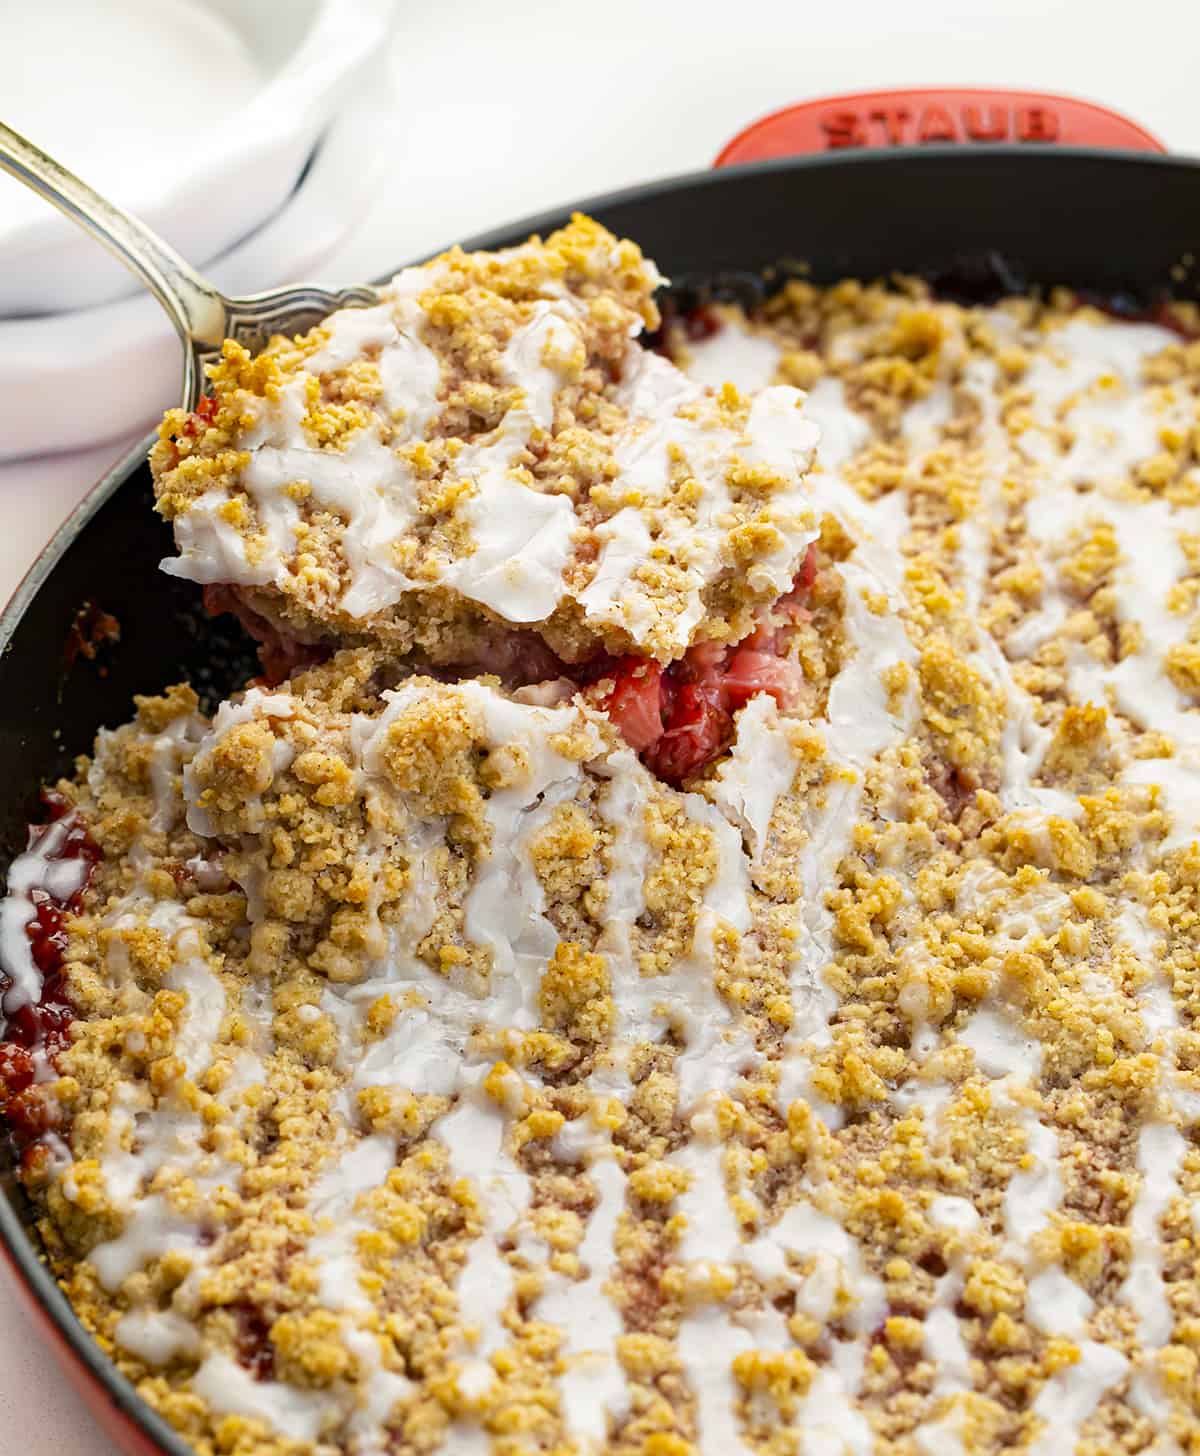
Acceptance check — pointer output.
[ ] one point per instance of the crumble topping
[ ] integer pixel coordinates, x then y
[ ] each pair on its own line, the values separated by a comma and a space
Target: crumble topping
488, 447
444, 1079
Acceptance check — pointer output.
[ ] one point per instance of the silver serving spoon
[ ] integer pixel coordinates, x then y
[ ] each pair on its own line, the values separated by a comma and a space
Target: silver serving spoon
203, 317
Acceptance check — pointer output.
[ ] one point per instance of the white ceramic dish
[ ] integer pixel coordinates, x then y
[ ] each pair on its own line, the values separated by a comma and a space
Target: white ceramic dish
309, 56
75, 379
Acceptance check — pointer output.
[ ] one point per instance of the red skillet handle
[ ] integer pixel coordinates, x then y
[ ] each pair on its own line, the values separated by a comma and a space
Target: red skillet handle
967, 115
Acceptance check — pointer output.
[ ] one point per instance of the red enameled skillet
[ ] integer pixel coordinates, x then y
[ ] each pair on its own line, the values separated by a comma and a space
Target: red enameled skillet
982, 192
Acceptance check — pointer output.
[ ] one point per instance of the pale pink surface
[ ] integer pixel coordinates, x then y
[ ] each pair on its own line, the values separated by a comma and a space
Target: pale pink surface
39, 1413
668, 108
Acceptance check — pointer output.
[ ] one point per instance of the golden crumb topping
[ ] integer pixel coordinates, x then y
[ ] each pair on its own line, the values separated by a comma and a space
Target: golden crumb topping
442, 1079
489, 447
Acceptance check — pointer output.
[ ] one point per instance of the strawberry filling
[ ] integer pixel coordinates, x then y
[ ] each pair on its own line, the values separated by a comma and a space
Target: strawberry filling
696, 725
635, 701
680, 717
202, 416
41, 1031
279, 654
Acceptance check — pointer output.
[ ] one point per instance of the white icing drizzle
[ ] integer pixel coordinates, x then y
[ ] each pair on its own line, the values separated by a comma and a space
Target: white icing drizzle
944, 1343
38, 868
150, 1134
367, 482
685, 997
353, 1170
758, 769
146, 1134
524, 542
1161, 1148
157, 1336
860, 725
1088, 377
379, 1392
709, 1340
230, 1389
941, 1434
1000, 1048
779, 434
504, 907
428, 1048
1160, 1153
539, 355
842, 434
944, 1436
152, 1228
1033, 1192
1070, 1396
167, 1133
733, 354
622, 807
593, 1385
206, 1004
174, 744
474, 1133
1056, 1305
975, 530
716, 1047
521, 538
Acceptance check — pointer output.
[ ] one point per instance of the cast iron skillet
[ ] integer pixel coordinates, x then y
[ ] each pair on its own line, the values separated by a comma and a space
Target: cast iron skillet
976, 220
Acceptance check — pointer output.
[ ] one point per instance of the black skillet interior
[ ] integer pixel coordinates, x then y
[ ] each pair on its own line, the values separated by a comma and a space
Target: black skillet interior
1122, 226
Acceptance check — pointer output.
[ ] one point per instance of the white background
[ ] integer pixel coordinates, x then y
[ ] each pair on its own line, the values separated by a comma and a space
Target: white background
508, 107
